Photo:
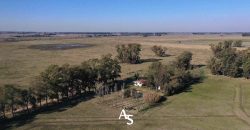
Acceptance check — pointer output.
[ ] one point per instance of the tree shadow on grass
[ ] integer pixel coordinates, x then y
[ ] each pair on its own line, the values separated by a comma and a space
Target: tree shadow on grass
188, 86
198, 66
150, 60
23, 118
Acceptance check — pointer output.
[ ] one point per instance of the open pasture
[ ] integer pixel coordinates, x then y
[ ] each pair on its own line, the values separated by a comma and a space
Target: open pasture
217, 102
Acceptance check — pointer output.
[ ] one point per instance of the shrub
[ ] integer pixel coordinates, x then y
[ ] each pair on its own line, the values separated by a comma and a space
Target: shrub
215, 66
151, 98
159, 51
237, 43
183, 61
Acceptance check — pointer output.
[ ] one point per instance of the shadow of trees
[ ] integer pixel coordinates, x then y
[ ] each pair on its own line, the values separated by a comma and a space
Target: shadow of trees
23, 118
188, 85
150, 60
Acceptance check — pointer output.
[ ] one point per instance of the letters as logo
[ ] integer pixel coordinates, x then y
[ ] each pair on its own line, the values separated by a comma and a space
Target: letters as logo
127, 117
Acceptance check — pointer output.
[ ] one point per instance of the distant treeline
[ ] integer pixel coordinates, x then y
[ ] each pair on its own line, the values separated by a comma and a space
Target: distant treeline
245, 34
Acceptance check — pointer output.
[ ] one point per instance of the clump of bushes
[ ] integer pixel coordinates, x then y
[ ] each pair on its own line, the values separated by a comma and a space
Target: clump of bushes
237, 43
172, 78
151, 98
129, 53
159, 51
228, 61
183, 61
225, 61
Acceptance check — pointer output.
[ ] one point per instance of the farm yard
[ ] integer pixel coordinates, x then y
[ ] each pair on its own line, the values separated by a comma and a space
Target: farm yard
216, 102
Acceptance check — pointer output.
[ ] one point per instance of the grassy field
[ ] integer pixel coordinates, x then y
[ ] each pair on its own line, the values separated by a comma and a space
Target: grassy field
207, 105
212, 104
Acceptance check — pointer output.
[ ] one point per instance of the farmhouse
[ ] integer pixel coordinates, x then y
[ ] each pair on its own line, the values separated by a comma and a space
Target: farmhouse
140, 82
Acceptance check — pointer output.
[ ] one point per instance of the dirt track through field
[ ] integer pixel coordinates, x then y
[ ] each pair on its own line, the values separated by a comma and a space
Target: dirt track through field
238, 110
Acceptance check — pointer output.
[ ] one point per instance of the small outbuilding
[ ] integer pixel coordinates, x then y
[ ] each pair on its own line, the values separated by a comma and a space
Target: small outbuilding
140, 82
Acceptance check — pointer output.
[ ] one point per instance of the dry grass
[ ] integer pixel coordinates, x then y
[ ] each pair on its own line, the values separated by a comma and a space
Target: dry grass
207, 105
19, 64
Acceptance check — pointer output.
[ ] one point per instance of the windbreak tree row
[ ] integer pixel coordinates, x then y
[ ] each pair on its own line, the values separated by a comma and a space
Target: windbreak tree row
62, 82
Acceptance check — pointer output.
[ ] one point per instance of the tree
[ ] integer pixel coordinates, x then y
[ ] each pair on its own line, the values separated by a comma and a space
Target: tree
26, 98
215, 66
41, 89
78, 75
129, 53
159, 51
231, 64
158, 75
246, 69
2, 101
172, 78
221, 48
104, 71
179, 81
226, 60
90, 70
51, 79
11, 96
183, 61
109, 69
64, 80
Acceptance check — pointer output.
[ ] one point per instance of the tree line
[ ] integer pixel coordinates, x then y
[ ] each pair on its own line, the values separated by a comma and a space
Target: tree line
226, 60
62, 83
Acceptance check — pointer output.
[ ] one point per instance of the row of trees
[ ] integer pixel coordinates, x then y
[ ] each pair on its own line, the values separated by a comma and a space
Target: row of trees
228, 61
12, 95
129, 53
171, 78
62, 82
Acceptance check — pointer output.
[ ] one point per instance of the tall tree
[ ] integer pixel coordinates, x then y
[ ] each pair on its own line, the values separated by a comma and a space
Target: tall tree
40, 89
11, 96
183, 61
226, 60
2, 101
51, 78
27, 98
129, 53
159, 75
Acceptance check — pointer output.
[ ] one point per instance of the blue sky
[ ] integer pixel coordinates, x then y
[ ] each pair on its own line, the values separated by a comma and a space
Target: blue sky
125, 15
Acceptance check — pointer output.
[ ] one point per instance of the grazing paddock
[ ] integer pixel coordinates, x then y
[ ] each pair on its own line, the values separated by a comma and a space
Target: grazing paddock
207, 105
217, 102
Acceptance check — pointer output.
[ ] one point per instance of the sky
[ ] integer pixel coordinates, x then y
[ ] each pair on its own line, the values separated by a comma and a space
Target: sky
125, 15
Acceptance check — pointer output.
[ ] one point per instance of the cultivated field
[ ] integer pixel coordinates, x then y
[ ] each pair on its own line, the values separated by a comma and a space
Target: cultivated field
217, 102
